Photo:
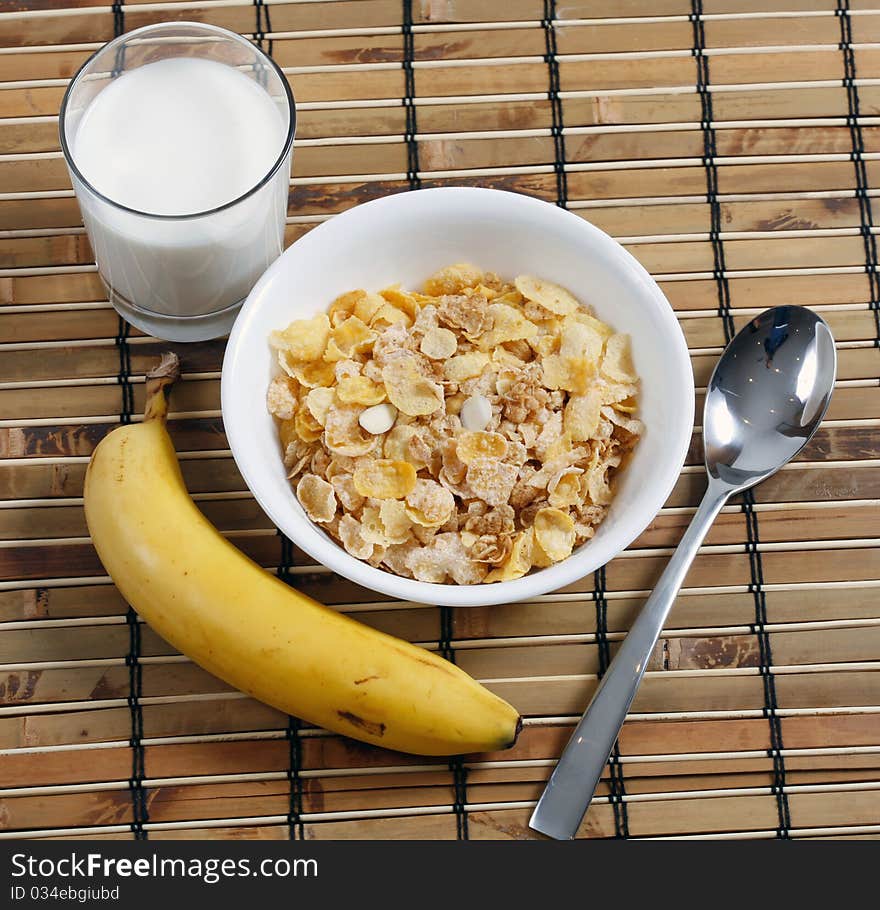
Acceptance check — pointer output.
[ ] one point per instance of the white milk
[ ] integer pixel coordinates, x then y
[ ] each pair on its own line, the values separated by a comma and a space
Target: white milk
179, 137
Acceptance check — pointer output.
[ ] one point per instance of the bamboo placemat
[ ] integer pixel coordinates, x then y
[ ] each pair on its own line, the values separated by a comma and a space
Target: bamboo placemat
734, 148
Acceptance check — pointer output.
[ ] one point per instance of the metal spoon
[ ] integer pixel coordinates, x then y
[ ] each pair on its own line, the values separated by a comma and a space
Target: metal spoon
765, 400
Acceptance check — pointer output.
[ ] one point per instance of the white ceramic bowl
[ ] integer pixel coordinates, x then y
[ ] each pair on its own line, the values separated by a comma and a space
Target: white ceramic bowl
404, 238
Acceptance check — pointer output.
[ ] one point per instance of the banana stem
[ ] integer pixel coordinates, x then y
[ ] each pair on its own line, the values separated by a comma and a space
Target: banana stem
159, 382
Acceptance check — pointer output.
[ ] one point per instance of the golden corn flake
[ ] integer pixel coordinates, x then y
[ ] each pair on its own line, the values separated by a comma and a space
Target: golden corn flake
397, 445
492, 481
564, 489
453, 279
401, 300
507, 324
343, 306
396, 523
408, 390
548, 295
518, 562
618, 359
351, 535
384, 479
573, 374
281, 398
580, 341
435, 491
303, 339
318, 402
343, 435
372, 528
287, 432
439, 344
388, 315
317, 497
306, 425
465, 366
429, 504
348, 339
472, 445
367, 307
314, 374
348, 496
554, 531
581, 417
360, 390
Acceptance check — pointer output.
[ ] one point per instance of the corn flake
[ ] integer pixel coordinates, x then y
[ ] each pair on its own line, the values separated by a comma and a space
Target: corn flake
351, 535
581, 417
429, 504
396, 523
408, 390
306, 425
314, 374
465, 366
618, 359
439, 344
281, 398
348, 496
548, 295
360, 390
384, 479
453, 279
507, 324
343, 434
318, 402
479, 444
490, 480
303, 339
554, 531
317, 497
518, 562
564, 489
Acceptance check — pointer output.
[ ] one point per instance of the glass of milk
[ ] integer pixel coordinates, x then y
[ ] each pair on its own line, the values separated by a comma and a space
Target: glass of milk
178, 139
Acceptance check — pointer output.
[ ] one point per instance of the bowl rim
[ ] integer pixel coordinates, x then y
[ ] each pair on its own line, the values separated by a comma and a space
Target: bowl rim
331, 554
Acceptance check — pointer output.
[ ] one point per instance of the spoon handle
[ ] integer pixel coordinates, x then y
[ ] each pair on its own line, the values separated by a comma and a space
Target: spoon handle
571, 786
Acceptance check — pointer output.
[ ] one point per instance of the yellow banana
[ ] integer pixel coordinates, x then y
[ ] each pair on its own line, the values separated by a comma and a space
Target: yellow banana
246, 626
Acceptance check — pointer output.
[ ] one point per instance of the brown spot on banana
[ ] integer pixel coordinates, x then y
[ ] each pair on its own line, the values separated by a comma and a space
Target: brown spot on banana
367, 726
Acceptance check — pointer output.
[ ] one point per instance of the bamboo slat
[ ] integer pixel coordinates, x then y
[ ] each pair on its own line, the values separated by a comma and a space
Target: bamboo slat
760, 711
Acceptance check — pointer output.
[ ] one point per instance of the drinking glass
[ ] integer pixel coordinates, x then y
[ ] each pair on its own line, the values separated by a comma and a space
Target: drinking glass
182, 277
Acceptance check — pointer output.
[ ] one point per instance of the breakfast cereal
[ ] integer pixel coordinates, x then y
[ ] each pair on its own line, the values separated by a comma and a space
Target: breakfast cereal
466, 433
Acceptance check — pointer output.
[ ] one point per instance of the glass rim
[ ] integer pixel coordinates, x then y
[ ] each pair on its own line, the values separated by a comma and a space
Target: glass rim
155, 27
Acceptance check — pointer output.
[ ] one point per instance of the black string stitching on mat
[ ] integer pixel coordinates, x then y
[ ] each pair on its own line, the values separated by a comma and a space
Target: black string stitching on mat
123, 377
409, 95
456, 766
765, 656
724, 311
294, 810
286, 561
140, 811
264, 26
866, 217
118, 29
719, 271
295, 829
555, 103
615, 768
118, 17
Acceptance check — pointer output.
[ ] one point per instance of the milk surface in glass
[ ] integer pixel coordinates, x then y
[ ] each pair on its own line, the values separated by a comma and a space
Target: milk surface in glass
181, 137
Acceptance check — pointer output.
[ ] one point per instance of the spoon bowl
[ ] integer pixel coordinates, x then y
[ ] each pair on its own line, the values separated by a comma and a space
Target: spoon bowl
766, 398
767, 395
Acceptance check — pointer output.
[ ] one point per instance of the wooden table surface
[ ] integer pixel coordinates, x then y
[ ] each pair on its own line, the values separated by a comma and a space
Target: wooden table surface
734, 148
